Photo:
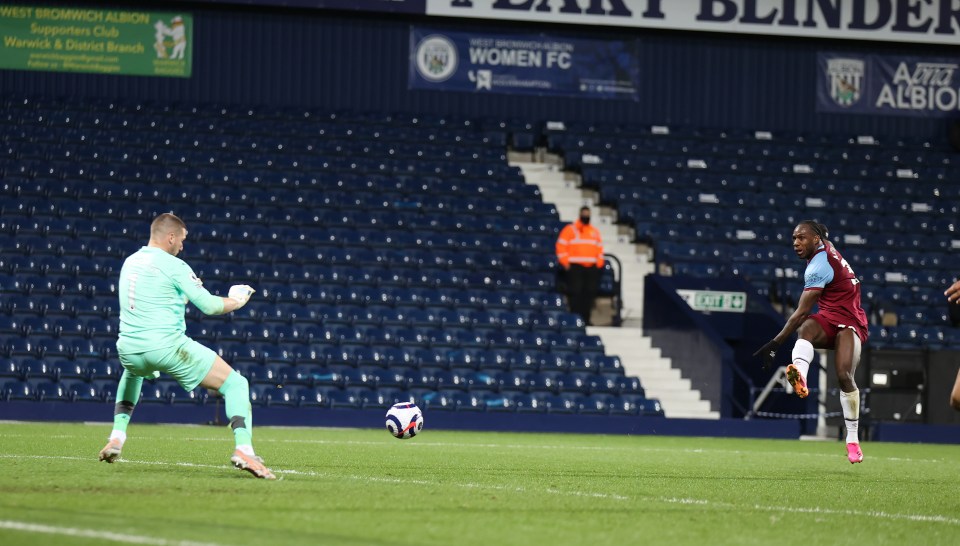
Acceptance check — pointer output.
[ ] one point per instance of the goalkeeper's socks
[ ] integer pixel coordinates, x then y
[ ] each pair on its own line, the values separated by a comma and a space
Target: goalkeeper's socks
236, 397
118, 435
120, 422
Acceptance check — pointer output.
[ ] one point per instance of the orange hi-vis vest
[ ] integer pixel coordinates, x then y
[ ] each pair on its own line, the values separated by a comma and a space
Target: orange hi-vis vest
580, 244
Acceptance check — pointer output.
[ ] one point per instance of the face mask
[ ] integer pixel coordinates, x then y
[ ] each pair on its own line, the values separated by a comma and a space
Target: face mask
584, 220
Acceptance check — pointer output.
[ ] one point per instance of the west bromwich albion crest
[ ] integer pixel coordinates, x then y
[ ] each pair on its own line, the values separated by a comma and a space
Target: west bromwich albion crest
436, 58
845, 80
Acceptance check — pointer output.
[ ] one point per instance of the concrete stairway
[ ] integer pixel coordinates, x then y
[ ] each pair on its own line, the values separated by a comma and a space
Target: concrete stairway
563, 191
659, 379
639, 357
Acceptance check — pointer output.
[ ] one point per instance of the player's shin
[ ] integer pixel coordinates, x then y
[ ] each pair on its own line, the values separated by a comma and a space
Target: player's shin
802, 356
128, 394
236, 396
850, 402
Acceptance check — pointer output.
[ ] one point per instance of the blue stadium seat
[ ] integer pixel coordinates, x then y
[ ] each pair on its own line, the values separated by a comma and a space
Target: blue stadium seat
345, 398
466, 401
411, 338
49, 391
594, 404
531, 341
581, 362
529, 403
629, 385
603, 383
359, 377
390, 378
176, 395
57, 348
293, 375
281, 396
608, 364
9, 368
258, 373
470, 339
501, 339
450, 380
589, 344
553, 362
20, 347
88, 348
480, 381
17, 390
367, 356
310, 397
560, 404
514, 381
436, 400
84, 392
574, 382
152, 393
323, 377
258, 394
649, 406
100, 369
382, 399
497, 402
544, 382
12, 325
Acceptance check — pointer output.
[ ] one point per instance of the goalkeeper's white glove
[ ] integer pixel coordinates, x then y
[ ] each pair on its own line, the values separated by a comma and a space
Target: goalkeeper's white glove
241, 294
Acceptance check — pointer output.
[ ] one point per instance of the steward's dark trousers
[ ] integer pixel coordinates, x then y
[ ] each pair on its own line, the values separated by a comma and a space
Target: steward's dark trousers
583, 283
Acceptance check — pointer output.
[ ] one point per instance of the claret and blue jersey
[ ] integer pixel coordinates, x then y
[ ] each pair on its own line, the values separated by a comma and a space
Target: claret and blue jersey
839, 301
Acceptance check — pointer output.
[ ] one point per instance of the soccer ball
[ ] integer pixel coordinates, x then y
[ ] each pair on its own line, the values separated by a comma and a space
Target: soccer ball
404, 420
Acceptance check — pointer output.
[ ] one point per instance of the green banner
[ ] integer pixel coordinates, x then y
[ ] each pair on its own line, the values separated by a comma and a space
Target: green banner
62, 39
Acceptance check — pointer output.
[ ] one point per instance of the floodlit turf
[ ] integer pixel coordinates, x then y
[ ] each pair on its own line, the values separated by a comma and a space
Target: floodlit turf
355, 487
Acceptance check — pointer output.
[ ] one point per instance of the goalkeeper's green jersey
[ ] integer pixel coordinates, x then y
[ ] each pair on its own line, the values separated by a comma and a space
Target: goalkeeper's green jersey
154, 290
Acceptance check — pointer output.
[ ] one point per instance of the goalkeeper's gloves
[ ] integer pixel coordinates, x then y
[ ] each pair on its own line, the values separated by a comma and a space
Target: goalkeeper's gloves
768, 352
241, 294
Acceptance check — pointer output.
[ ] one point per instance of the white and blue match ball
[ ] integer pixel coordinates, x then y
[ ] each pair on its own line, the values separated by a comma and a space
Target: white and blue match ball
404, 420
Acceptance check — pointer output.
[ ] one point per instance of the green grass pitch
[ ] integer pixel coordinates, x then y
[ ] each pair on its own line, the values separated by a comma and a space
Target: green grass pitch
359, 487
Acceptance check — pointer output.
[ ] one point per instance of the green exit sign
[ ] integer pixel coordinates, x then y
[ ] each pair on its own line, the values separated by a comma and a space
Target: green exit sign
709, 300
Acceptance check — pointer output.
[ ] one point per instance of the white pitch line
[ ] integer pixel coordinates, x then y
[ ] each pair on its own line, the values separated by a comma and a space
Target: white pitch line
93, 533
923, 518
425, 444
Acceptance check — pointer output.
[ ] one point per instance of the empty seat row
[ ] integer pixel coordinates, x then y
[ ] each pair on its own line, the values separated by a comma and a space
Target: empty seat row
353, 397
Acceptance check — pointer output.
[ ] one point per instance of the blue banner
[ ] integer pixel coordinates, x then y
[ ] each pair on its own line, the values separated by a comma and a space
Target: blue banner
888, 85
529, 64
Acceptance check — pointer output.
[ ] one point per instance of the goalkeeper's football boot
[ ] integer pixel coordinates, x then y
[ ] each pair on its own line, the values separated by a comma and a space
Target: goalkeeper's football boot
853, 453
251, 464
111, 451
797, 381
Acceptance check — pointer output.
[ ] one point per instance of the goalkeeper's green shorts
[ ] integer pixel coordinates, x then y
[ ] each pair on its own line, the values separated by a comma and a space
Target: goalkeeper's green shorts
188, 362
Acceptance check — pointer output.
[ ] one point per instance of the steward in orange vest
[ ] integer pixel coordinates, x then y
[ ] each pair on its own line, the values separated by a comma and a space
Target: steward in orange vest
580, 252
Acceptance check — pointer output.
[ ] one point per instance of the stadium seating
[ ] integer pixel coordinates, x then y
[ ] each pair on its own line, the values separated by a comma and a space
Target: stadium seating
394, 259
715, 203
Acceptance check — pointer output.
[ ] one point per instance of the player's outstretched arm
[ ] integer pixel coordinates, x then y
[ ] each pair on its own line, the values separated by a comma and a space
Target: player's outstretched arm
237, 297
206, 302
808, 299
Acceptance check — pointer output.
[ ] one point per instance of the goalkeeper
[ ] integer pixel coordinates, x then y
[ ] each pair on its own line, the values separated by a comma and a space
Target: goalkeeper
154, 288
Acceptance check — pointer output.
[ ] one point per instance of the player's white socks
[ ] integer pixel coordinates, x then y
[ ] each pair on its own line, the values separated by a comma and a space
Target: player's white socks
850, 402
247, 450
802, 356
119, 435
